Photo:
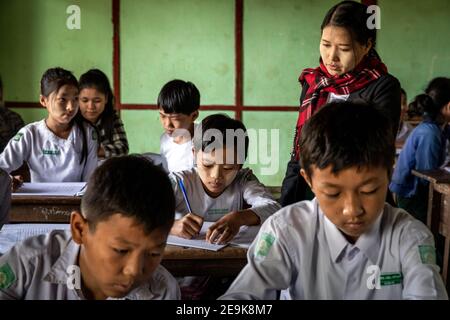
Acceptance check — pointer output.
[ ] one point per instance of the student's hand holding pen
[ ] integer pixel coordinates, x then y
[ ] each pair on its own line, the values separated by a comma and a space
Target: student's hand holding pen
224, 229
187, 227
16, 183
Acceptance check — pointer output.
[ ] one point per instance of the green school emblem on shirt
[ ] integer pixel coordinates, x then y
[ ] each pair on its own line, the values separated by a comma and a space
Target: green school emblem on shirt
265, 242
427, 254
51, 152
388, 279
94, 135
7, 276
18, 136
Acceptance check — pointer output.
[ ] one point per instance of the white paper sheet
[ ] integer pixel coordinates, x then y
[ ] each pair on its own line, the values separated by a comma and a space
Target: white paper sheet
51, 189
243, 239
10, 234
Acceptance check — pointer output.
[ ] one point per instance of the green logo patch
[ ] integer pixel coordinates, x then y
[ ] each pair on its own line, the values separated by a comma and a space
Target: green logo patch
94, 135
18, 136
427, 254
51, 152
7, 276
388, 279
265, 242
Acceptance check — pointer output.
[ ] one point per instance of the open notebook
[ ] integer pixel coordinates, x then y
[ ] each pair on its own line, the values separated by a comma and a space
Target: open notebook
51, 189
243, 239
10, 234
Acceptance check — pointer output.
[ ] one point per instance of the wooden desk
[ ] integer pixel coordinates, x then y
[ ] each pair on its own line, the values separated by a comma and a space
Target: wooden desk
226, 262
42, 209
438, 215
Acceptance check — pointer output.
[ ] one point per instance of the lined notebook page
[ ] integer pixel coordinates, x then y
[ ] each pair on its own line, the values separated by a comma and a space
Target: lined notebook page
243, 239
10, 234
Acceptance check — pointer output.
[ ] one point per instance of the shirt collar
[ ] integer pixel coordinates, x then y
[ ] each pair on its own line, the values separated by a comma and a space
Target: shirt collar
368, 243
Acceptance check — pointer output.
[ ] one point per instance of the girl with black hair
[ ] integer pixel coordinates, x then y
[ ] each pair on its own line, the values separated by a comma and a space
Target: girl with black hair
97, 107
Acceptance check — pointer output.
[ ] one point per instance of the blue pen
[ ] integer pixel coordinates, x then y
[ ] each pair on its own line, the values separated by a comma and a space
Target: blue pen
183, 190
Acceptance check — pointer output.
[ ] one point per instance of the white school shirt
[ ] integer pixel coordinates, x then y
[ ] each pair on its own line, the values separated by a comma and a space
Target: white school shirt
50, 158
5, 197
244, 188
179, 157
299, 250
36, 269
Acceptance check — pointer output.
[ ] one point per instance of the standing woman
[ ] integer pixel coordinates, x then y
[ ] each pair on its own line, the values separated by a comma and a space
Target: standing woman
97, 106
350, 69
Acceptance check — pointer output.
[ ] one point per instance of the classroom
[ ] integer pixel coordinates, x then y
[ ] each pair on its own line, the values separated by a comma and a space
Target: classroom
248, 60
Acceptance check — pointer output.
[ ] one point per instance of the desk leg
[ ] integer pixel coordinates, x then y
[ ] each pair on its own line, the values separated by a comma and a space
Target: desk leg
434, 210
445, 263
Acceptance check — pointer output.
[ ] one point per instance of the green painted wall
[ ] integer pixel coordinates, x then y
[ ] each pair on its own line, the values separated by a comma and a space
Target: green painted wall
194, 40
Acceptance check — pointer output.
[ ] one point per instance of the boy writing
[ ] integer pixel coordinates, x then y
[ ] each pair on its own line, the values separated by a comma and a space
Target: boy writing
115, 247
346, 243
217, 187
178, 104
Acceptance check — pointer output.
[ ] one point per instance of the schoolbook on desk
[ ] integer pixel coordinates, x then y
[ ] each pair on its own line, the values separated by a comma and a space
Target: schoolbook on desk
10, 234
243, 239
67, 189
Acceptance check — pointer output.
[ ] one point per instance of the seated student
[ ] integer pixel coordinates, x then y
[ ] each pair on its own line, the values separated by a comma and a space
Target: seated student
97, 107
115, 246
178, 103
10, 122
60, 148
218, 186
346, 243
5, 197
404, 128
424, 149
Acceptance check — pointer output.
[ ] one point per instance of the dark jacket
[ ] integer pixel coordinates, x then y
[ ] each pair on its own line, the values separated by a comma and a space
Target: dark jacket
383, 93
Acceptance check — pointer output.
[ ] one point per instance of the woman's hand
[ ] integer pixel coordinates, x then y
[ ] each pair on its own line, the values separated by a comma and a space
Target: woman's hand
187, 227
17, 182
224, 229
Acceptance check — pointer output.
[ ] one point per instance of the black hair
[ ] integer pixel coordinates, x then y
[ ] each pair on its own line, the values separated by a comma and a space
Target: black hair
132, 186
403, 92
347, 134
178, 96
206, 135
54, 79
96, 79
352, 16
430, 103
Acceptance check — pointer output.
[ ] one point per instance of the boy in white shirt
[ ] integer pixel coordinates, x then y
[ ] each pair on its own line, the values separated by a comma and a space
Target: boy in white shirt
60, 148
178, 103
346, 243
114, 248
217, 189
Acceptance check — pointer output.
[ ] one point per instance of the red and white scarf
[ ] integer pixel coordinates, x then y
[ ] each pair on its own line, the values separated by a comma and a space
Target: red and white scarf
321, 84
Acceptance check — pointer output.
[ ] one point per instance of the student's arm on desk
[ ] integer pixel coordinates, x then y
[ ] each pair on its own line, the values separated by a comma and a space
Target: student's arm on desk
269, 269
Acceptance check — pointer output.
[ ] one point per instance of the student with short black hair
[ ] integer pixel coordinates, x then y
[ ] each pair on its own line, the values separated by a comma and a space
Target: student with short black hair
346, 243
61, 147
97, 107
10, 121
116, 242
178, 103
425, 148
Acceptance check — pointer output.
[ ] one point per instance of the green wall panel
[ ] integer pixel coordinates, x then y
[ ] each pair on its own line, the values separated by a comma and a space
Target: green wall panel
34, 38
414, 41
281, 38
191, 40
270, 152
